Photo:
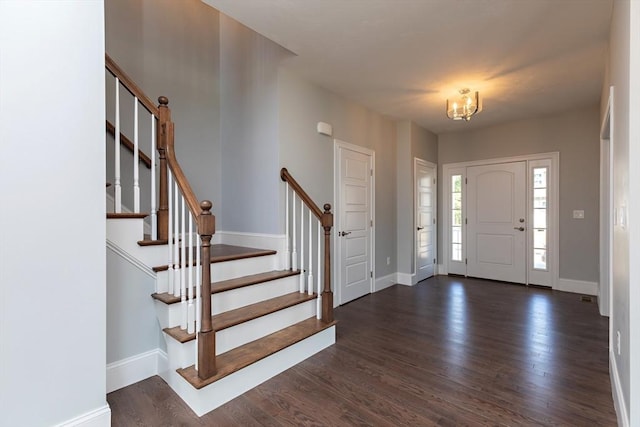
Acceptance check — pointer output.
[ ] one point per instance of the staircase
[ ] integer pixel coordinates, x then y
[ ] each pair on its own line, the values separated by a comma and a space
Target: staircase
232, 316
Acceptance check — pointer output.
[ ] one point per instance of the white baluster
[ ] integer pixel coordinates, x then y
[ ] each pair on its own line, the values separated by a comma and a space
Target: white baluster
176, 243
170, 235
116, 178
294, 253
302, 273
287, 261
318, 305
310, 275
154, 208
183, 269
191, 309
136, 159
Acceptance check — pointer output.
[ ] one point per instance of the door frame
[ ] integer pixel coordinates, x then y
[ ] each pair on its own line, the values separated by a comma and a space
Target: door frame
337, 248
606, 213
554, 240
417, 161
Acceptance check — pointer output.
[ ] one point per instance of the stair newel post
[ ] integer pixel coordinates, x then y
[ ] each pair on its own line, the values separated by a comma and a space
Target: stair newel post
164, 116
327, 294
206, 336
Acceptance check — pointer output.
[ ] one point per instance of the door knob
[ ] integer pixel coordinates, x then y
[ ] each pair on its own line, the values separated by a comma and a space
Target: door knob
420, 228
344, 233
519, 228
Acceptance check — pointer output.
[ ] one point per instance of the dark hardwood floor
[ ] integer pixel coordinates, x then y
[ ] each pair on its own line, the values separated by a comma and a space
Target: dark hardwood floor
449, 351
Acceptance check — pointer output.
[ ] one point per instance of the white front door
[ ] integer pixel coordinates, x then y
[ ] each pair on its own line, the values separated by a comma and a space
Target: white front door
425, 196
496, 215
354, 224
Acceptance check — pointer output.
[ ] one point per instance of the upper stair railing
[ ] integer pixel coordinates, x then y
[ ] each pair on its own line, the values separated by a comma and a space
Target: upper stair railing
298, 224
179, 218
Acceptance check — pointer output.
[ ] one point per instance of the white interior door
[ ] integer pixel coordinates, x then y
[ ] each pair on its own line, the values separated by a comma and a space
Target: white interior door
496, 215
354, 224
425, 219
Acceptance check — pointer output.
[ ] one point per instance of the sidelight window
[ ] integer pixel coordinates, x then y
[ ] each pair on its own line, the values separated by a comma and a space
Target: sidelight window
540, 217
456, 217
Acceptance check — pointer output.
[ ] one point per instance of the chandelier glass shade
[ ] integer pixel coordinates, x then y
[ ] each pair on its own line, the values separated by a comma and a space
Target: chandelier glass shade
465, 106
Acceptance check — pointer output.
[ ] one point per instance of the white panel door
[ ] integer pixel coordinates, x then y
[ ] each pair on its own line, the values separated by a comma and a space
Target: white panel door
425, 192
496, 213
354, 234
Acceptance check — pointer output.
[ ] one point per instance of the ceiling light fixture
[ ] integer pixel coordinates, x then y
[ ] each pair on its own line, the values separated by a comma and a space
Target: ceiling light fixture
464, 107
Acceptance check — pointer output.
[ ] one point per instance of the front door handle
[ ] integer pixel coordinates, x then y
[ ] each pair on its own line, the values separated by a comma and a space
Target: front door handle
344, 233
519, 228
420, 228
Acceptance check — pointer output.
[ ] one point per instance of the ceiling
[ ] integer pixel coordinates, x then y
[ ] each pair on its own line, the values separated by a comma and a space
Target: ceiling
404, 58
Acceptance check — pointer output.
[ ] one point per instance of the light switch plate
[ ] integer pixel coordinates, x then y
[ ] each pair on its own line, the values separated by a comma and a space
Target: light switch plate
578, 214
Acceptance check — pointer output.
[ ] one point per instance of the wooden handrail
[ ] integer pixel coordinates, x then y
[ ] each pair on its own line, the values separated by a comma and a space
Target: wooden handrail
206, 224
326, 221
128, 83
286, 177
129, 145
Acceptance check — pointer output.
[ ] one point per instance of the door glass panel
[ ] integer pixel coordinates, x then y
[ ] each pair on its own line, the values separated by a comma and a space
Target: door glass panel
456, 217
540, 215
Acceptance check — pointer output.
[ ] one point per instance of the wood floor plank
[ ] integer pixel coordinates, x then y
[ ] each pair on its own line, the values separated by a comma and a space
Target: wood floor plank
449, 351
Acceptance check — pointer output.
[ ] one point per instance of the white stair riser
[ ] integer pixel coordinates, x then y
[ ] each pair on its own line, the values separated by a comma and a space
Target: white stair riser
235, 336
180, 355
220, 392
170, 315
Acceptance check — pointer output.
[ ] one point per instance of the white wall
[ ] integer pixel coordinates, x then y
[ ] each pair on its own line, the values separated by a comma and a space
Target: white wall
309, 156
576, 135
623, 69
52, 258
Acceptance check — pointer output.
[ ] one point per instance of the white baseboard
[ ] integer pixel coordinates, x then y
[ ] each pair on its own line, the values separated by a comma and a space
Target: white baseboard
405, 279
136, 368
384, 282
275, 242
100, 417
577, 286
618, 396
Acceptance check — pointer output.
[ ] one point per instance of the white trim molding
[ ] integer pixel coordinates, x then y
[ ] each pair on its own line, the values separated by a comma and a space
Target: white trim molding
618, 395
131, 259
100, 417
136, 368
576, 286
406, 279
385, 282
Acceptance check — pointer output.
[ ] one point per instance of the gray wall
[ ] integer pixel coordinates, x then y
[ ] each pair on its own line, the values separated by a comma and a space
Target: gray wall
575, 135
309, 155
412, 141
171, 48
249, 129
132, 324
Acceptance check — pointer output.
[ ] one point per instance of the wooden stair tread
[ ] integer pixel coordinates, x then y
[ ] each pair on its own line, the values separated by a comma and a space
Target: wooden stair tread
243, 356
227, 285
244, 314
223, 252
130, 215
149, 242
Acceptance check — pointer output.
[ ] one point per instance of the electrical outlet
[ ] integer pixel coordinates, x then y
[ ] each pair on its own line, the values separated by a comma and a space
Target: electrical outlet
578, 214
618, 342
388, 260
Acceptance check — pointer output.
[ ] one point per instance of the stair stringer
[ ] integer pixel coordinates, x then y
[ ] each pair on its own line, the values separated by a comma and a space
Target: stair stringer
220, 392
125, 234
